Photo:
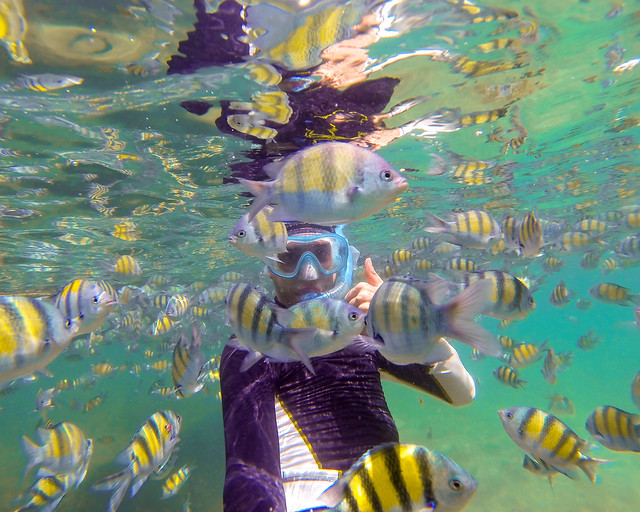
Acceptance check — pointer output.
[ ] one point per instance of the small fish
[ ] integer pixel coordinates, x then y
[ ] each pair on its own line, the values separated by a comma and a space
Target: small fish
463, 264
508, 376
175, 481
162, 325
46, 492
550, 368
635, 390
261, 328
530, 236
401, 477
44, 399
177, 305
552, 264
506, 342
573, 241
614, 428
474, 229
127, 265
148, 451
337, 324
159, 366
212, 295
260, 237
327, 183
525, 354
400, 256
611, 293
93, 403
187, 363
560, 296
476, 355
34, 333
102, 368
590, 260
549, 440
63, 449
584, 304
406, 320
42, 82
559, 404
629, 247
420, 244
588, 341
230, 277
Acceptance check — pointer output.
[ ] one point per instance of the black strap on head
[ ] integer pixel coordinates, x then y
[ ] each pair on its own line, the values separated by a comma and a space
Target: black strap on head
300, 228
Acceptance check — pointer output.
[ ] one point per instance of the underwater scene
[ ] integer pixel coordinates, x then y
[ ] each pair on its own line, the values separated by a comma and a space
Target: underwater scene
483, 158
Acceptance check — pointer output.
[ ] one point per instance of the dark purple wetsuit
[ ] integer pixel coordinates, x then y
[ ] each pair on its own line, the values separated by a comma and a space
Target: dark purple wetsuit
341, 411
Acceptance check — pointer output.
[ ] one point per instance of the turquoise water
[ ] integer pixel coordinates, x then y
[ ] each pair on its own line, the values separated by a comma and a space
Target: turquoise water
166, 171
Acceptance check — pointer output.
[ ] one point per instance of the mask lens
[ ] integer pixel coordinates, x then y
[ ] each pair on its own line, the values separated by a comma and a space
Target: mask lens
327, 252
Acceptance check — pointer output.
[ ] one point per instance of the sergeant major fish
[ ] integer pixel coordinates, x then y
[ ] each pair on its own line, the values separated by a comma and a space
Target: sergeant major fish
86, 302
261, 328
259, 237
328, 183
404, 477
474, 229
147, 452
406, 320
175, 481
186, 364
42, 82
548, 439
614, 428
33, 333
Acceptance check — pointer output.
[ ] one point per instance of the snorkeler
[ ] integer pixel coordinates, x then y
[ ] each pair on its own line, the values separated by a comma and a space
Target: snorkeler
289, 433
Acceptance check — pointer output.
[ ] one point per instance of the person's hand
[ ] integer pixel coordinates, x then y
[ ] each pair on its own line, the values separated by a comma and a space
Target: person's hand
360, 295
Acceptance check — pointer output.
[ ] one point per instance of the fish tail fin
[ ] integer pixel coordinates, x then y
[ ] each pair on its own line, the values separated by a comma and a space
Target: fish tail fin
589, 466
460, 312
260, 189
33, 452
438, 165
635, 298
435, 224
118, 483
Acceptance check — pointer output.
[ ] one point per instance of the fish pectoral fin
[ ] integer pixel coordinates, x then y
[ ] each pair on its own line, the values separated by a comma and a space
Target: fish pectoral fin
353, 192
250, 359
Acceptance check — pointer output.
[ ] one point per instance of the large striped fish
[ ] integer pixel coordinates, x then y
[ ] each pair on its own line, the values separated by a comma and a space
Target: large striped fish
186, 364
261, 328
328, 183
148, 452
549, 440
84, 301
394, 477
474, 229
510, 299
32, 334
406, 320
614, 428
64, 447
259, 237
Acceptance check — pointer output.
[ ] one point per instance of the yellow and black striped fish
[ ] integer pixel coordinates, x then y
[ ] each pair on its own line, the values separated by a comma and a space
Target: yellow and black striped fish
525, 354
400, 256
32, 334
614, 428
560, 296
550, 367
611, 293
629, 247
508, 376
550, 440
464, 264
162, 325
552, 264
47, 492
590, 260
588, 341
259, 237
127, 265
475, 229
177, 305
510, 298
401, 477
186, 364
147, 452
261, 327
63, 449
530, 236
175, 481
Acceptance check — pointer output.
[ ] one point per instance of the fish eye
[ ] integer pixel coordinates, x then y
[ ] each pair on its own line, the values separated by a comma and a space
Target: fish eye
508, 415
241, 234
353, 316
386, 175
167, 427
455, 485
95, 299
531, 301
46, 344
67, 324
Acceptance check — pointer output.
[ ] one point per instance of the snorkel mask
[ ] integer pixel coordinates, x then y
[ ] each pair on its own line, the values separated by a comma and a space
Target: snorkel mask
327, 253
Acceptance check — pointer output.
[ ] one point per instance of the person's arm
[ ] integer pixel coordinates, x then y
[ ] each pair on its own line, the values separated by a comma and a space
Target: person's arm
447, 380
253, 479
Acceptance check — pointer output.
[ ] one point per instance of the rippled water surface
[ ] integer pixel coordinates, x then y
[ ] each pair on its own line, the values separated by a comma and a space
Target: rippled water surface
543, 93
